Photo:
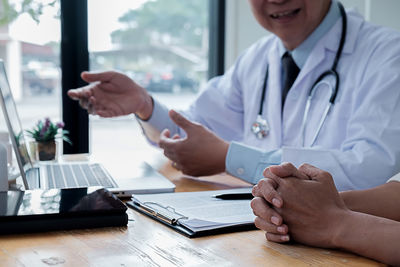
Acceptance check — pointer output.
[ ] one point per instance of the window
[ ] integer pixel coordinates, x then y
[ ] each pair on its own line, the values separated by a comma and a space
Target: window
29, 45
160, 44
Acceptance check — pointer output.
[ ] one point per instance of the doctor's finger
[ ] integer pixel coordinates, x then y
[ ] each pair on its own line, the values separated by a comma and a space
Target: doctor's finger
84, 103
266, 188
181, 121
104, 112
169, 147
91, 109
165, 133
93, 101
165, 139
97, 76
74, 94
176, 136
170, 155
79, 93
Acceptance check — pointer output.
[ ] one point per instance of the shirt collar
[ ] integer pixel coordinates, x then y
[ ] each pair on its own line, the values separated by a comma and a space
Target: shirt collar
301, 53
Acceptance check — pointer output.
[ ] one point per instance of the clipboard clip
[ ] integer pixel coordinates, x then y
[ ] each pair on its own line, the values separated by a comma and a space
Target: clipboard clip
161, 215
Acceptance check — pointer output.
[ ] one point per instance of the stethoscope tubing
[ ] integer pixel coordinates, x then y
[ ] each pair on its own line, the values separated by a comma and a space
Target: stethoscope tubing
332, 71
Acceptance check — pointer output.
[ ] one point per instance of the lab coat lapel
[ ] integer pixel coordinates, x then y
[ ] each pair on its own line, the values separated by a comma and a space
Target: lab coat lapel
331, 42
317, 55
355, 21
314, 60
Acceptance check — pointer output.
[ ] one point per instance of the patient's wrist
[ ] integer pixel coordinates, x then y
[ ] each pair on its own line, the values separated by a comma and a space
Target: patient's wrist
342, 234
352, 199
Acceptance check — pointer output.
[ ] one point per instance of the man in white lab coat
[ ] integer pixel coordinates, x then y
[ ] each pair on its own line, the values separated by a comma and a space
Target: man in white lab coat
358, 138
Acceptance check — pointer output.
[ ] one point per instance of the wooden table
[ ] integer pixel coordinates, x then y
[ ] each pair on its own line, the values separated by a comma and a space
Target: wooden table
148, 243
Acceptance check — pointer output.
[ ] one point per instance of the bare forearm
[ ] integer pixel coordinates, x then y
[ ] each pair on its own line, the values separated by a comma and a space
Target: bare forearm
370, 236
382, 201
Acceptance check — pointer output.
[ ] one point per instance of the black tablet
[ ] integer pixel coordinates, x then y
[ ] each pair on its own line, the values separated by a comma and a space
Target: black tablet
59, 209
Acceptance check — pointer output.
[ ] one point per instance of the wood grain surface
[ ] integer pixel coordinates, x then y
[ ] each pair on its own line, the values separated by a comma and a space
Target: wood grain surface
148, 243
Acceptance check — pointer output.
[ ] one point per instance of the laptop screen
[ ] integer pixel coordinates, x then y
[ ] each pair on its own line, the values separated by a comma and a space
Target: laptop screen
14, 125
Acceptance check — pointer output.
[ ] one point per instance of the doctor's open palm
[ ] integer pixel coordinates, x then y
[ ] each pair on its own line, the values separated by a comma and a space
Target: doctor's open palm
112, 94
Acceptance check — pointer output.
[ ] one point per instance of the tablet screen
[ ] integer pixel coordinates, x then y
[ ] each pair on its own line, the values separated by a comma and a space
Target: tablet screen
59, 201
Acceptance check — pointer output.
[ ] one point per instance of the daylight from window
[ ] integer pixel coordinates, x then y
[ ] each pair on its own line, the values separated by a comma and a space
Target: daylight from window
160, 44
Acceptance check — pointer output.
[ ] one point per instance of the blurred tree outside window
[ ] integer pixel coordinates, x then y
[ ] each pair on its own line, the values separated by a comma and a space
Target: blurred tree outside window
10, 10
163, 45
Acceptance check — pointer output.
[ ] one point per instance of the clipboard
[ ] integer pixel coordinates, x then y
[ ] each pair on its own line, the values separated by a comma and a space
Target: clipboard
196, 214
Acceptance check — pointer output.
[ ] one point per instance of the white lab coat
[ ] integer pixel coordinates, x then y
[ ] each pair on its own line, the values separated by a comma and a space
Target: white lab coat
359, 143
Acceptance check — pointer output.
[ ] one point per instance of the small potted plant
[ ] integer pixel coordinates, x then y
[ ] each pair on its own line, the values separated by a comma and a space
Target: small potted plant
45, 133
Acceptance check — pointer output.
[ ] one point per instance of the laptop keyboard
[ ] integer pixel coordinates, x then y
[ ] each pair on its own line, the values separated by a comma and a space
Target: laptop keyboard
77, 175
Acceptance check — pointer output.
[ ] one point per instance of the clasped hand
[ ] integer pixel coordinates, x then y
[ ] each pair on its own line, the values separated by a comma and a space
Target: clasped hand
301, 204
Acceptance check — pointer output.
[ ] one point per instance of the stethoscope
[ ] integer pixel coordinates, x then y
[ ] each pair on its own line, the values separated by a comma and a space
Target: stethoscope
261, 127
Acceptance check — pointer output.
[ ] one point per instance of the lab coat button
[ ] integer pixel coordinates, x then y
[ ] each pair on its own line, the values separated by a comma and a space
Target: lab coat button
240, 171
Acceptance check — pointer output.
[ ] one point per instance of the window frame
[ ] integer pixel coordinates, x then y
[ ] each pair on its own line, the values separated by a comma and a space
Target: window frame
216, 57
74, 59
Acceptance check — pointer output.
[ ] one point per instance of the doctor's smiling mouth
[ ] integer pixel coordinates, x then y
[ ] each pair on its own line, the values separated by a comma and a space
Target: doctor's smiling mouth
285, 15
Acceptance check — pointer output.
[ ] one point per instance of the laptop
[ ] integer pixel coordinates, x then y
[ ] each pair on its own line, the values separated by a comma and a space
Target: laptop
56, 175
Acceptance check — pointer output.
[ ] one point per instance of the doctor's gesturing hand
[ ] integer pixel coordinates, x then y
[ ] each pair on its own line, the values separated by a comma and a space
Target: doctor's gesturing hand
199, 153
111, 94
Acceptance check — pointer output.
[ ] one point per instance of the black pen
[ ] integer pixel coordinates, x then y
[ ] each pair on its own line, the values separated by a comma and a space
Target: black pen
234, 196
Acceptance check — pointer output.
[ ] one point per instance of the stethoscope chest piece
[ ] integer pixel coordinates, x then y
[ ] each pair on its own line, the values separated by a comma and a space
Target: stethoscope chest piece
260, 127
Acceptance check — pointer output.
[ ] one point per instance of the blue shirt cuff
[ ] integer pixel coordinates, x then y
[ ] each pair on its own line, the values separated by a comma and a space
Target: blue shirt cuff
159, 119
248, 163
